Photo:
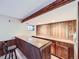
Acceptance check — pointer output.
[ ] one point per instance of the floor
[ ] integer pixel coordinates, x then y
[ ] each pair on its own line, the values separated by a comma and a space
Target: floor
21, 56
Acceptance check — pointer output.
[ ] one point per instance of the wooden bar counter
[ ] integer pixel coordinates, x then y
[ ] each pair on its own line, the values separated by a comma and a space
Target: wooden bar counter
62, 48
34, 48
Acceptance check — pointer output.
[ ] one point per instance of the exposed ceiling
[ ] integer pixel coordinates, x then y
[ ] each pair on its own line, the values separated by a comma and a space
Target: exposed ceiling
51, 6
65, 13
22, 8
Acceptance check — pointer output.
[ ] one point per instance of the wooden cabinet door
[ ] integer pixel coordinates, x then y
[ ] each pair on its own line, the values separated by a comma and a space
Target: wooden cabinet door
71, 51
65, 54
58, 51
62, 51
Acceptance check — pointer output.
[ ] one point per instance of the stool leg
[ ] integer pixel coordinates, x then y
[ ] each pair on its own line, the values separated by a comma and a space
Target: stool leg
9, 55
12, 55
15, 54
5, 56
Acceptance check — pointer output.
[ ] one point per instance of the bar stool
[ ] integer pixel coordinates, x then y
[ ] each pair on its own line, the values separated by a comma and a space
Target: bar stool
9, 50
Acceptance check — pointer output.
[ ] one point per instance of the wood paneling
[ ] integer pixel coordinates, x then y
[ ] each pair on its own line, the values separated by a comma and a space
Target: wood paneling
43, 29
60, 30
63, 30
54, 5
71, 29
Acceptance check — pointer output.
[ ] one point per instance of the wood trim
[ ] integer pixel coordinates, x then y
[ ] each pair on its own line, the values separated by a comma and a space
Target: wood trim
54, 5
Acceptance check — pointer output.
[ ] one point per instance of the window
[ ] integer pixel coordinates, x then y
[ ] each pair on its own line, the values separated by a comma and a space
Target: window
31, 27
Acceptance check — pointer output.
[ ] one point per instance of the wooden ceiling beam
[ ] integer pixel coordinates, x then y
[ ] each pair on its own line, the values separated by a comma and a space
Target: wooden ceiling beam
54, 5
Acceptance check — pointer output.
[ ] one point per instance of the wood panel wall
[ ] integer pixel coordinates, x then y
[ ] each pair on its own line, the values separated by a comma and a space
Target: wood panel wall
63, 30
60, 30
43, 29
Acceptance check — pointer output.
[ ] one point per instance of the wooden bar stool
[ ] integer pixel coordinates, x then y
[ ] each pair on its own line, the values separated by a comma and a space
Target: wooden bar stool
9, 50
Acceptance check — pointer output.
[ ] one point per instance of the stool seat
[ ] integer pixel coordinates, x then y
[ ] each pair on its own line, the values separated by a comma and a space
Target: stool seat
11, 47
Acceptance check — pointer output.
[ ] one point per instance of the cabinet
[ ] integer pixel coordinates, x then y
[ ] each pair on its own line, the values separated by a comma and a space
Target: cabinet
60, 49
63, 50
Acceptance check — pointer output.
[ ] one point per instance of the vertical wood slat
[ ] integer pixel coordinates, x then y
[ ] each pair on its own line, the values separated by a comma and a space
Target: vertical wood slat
43, 29
60, 30
63, 30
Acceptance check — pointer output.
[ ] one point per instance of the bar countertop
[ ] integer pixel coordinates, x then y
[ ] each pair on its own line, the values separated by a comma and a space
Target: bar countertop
55, 39
34, 41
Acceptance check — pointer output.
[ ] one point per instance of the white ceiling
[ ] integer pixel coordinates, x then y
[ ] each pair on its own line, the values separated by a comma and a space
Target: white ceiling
21, 8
